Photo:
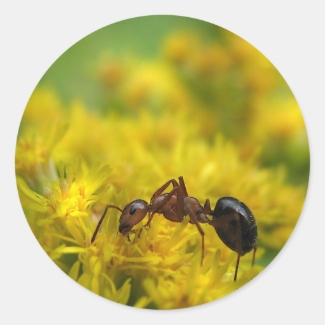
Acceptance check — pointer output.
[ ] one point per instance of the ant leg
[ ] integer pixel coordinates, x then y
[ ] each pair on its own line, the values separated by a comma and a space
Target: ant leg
239, 246
164, 201
254, 248
149, 220
194, 220
101, 221
237, 264
182, 185
132, 232
224, 221
162, 188
180, 205
148, 223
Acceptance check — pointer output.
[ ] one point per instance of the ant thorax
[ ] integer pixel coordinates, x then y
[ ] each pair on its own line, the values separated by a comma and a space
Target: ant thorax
168, 209
170, 204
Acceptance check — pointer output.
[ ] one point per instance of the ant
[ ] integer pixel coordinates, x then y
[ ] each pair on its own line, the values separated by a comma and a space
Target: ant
233, 221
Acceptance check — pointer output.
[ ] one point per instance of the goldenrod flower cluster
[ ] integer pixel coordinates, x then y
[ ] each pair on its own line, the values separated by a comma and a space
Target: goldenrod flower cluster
162, 120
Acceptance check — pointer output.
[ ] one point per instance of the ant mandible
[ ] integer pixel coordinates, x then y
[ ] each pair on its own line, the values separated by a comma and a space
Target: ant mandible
233, 221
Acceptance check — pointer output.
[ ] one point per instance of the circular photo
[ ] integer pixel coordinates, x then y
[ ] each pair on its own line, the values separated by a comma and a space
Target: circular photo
162, 162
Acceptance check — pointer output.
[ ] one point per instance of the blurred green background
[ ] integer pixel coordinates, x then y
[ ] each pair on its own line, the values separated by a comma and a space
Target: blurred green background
72, 74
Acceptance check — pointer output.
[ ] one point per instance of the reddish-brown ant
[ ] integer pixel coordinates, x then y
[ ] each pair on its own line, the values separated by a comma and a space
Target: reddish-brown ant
232, 219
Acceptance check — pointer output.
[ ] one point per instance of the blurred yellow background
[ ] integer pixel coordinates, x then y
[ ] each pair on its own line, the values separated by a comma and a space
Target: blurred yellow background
169, 63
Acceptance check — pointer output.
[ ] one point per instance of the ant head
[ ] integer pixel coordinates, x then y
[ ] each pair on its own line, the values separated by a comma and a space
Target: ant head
132, 214
228, 205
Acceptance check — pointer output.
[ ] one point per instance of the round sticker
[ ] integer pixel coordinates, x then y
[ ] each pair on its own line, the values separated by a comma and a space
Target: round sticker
162, 162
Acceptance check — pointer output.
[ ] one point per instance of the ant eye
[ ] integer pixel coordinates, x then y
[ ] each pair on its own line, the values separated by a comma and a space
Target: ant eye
133, 209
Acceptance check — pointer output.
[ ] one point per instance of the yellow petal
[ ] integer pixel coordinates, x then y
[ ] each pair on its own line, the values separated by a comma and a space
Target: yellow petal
142, 302
74, 231
61, 209
74, 271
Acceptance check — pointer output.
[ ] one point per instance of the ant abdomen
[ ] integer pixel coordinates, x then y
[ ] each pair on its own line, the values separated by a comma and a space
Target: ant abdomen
235, 224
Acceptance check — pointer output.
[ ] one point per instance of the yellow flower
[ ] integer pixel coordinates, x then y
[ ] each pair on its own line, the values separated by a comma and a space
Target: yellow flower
177, 115
62, 211
159, 267
179, 47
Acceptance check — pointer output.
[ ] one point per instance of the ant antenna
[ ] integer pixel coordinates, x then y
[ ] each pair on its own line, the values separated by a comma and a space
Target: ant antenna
102, 219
